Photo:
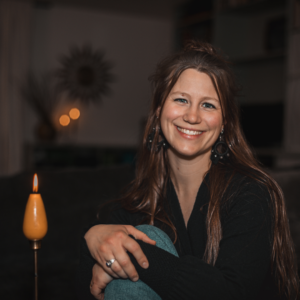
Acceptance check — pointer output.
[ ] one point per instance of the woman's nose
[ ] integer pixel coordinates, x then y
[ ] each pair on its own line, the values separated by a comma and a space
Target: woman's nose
192, 116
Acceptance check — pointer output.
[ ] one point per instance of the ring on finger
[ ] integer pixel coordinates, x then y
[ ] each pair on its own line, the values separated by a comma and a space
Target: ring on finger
110, 262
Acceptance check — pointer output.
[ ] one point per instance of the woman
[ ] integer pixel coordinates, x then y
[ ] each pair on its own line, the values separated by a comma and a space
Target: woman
197, 181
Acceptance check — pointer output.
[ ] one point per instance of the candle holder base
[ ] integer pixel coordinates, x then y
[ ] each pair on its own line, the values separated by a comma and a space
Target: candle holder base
35, 245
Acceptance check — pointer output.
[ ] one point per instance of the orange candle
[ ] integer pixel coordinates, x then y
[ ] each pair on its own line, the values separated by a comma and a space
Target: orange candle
35, 223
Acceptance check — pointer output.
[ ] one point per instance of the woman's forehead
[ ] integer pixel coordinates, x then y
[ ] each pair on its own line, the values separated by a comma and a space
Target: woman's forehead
192, 82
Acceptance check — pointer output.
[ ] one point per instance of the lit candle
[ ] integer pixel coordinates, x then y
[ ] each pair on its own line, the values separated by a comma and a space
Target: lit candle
35, 224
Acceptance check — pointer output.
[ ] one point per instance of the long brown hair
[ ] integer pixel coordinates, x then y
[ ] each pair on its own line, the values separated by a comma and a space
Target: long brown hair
147, 192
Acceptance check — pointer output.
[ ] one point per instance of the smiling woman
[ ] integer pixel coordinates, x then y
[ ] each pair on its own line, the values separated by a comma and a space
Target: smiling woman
217, 219
191, 118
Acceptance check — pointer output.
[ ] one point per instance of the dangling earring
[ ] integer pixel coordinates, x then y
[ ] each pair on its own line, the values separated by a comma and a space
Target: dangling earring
150, 139
163, 142
215, 154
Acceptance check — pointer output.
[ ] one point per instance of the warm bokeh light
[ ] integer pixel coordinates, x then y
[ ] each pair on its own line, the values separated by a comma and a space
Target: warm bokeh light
35, 183
64, 120
74, 113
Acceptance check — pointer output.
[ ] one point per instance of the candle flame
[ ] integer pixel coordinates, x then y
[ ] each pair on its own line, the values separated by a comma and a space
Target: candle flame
35, 183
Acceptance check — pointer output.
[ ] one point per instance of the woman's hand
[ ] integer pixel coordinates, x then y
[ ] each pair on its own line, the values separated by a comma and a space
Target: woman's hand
107, 242
99, 282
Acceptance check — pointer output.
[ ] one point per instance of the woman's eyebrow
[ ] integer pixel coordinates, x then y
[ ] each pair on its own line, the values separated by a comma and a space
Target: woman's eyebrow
181, 93
210, 98
203, 98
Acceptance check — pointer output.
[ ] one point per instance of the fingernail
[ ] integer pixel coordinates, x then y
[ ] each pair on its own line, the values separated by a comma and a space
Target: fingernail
135, 279
145, 265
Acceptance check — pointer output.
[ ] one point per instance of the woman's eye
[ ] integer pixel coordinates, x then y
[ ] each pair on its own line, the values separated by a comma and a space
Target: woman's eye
180, 100
208, 105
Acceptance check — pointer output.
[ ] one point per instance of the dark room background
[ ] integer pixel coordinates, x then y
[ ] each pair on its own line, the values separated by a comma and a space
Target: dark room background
95, 56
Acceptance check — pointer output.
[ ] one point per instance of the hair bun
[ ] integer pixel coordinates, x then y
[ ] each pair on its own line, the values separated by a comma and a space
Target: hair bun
196, 45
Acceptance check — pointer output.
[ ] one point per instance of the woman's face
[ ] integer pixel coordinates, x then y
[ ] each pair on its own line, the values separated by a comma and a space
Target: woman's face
191, 118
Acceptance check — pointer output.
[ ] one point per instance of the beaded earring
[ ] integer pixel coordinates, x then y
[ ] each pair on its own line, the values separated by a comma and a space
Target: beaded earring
163, 142
215, 154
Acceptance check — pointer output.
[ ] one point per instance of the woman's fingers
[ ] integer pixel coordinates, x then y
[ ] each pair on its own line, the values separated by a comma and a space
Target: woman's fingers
99, 281
134, 248
131, 246
96, 291
118, 270
139, 235
125, 264
114, 270
102, 256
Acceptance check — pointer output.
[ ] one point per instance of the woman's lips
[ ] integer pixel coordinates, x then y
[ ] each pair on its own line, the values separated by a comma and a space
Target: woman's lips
188, 133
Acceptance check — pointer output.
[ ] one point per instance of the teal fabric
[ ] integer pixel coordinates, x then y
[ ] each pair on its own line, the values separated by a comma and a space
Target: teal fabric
120, 289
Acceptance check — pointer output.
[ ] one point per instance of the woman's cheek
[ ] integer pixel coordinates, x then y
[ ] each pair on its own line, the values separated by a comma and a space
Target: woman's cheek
172, 113
214, 120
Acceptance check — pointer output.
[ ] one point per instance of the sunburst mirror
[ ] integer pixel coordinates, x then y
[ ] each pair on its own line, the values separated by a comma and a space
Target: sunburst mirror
85, 74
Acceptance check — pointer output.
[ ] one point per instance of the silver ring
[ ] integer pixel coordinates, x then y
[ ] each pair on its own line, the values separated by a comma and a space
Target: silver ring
110, 262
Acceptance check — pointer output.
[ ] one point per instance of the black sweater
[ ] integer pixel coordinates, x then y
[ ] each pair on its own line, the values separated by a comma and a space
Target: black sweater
242, 269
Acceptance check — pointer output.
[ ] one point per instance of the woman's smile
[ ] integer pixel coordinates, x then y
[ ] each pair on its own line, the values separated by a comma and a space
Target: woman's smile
189, 133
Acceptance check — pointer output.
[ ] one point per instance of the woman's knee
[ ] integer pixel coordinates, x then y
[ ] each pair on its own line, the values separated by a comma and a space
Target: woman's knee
163, 241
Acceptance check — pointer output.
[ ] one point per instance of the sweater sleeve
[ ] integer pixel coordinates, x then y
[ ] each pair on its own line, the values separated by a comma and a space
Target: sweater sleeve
242, 263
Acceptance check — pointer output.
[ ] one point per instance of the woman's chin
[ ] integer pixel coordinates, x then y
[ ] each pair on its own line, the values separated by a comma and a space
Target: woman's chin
188, 153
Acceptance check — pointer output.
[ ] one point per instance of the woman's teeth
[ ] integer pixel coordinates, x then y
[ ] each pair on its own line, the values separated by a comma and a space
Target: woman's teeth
189, 132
